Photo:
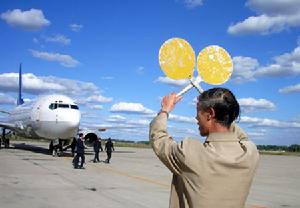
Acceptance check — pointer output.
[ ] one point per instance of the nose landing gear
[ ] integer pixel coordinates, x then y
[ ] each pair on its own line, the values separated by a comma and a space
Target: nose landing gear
56, 147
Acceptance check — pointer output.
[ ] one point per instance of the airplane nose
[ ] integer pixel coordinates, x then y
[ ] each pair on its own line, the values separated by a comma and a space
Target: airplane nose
73, 124
70, 122
64, 125
74, 120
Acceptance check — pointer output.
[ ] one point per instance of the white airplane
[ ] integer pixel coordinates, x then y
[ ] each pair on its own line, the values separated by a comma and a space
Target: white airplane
52, 117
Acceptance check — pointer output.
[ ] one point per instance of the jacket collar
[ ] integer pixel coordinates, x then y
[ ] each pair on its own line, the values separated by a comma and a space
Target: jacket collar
222, 137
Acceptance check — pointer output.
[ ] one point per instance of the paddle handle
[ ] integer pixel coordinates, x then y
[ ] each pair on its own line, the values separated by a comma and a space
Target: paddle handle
185, 89
194, 82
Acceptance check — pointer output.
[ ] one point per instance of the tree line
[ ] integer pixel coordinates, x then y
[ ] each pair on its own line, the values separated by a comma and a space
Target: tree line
291, 148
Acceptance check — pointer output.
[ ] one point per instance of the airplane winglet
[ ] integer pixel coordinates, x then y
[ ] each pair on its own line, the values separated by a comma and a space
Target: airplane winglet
20, 100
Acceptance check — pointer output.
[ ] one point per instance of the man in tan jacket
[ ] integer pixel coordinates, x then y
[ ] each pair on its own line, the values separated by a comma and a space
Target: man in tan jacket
214, 174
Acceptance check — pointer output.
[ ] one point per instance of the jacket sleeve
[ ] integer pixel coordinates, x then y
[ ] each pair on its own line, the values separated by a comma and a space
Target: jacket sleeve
167, 150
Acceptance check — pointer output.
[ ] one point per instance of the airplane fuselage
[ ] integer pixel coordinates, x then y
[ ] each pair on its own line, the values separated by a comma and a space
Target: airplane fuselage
49, 117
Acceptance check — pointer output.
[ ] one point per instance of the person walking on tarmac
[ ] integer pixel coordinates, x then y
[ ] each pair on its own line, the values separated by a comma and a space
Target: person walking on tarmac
100, 144
79, 152
73, 146
97, 148
109, 147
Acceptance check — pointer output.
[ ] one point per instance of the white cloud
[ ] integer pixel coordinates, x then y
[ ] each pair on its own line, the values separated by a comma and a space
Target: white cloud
274, 16
185, 132
256, 134
244, 69
139, 122
136, 132
249, 105
182, 119
99, 99
73, 87
193, 3
110, 126
116, 118
107, 78
58, 38
248, 69
286, 64
140, 70
253, 105
6, 99
9, 82
135, 108
31, 20
118, 125
88, 115
274, 7
176, 118
297, 118
167, 80
290, 89
64, 60
75, 27
95, 107
194, 101
35, 40
84, 92
263, 25
265, 122
27, 100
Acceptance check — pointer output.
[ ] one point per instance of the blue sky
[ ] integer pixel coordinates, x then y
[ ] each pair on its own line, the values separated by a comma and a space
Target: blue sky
104, 55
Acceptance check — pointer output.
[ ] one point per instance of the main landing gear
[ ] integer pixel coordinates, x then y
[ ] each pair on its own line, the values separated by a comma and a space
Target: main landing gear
4, 140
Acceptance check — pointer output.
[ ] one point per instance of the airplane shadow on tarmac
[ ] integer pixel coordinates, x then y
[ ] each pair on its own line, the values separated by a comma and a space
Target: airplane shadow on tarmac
31, 148
45, 151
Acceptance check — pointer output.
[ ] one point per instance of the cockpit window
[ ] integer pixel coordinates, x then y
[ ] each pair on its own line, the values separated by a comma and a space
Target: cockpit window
63, 105
53, 106
74, 107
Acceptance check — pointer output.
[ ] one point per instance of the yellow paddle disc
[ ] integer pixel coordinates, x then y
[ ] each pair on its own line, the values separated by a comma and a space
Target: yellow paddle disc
214, 65
177, 59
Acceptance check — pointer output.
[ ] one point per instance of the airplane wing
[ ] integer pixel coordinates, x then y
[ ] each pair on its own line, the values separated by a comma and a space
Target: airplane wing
9, 126
5, 124
4, 111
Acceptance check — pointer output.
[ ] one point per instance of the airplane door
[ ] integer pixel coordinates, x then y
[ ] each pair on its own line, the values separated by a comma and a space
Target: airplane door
36, 113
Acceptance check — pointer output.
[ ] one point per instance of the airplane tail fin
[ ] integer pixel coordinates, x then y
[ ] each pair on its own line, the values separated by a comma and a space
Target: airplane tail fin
20, 100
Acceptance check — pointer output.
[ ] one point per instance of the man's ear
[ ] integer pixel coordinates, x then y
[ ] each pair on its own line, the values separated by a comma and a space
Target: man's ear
210, 113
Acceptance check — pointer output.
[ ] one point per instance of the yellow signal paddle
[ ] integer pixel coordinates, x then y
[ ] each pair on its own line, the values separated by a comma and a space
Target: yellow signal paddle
214, 65
177, 60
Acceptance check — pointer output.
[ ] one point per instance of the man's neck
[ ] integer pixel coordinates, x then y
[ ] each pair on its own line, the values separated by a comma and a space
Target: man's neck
216, 127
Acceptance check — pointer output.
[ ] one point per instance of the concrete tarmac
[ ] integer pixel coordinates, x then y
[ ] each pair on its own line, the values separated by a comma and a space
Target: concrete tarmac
135, 178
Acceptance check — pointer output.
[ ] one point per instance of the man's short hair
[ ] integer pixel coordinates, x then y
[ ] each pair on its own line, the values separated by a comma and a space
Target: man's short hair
80, 134
224, 103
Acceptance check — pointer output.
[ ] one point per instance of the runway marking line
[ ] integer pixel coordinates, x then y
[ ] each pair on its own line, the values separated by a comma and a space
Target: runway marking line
257, 206
134, 176
129, 175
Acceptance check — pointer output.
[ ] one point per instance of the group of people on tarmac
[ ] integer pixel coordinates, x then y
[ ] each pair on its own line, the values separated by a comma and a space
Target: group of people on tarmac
78, 147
